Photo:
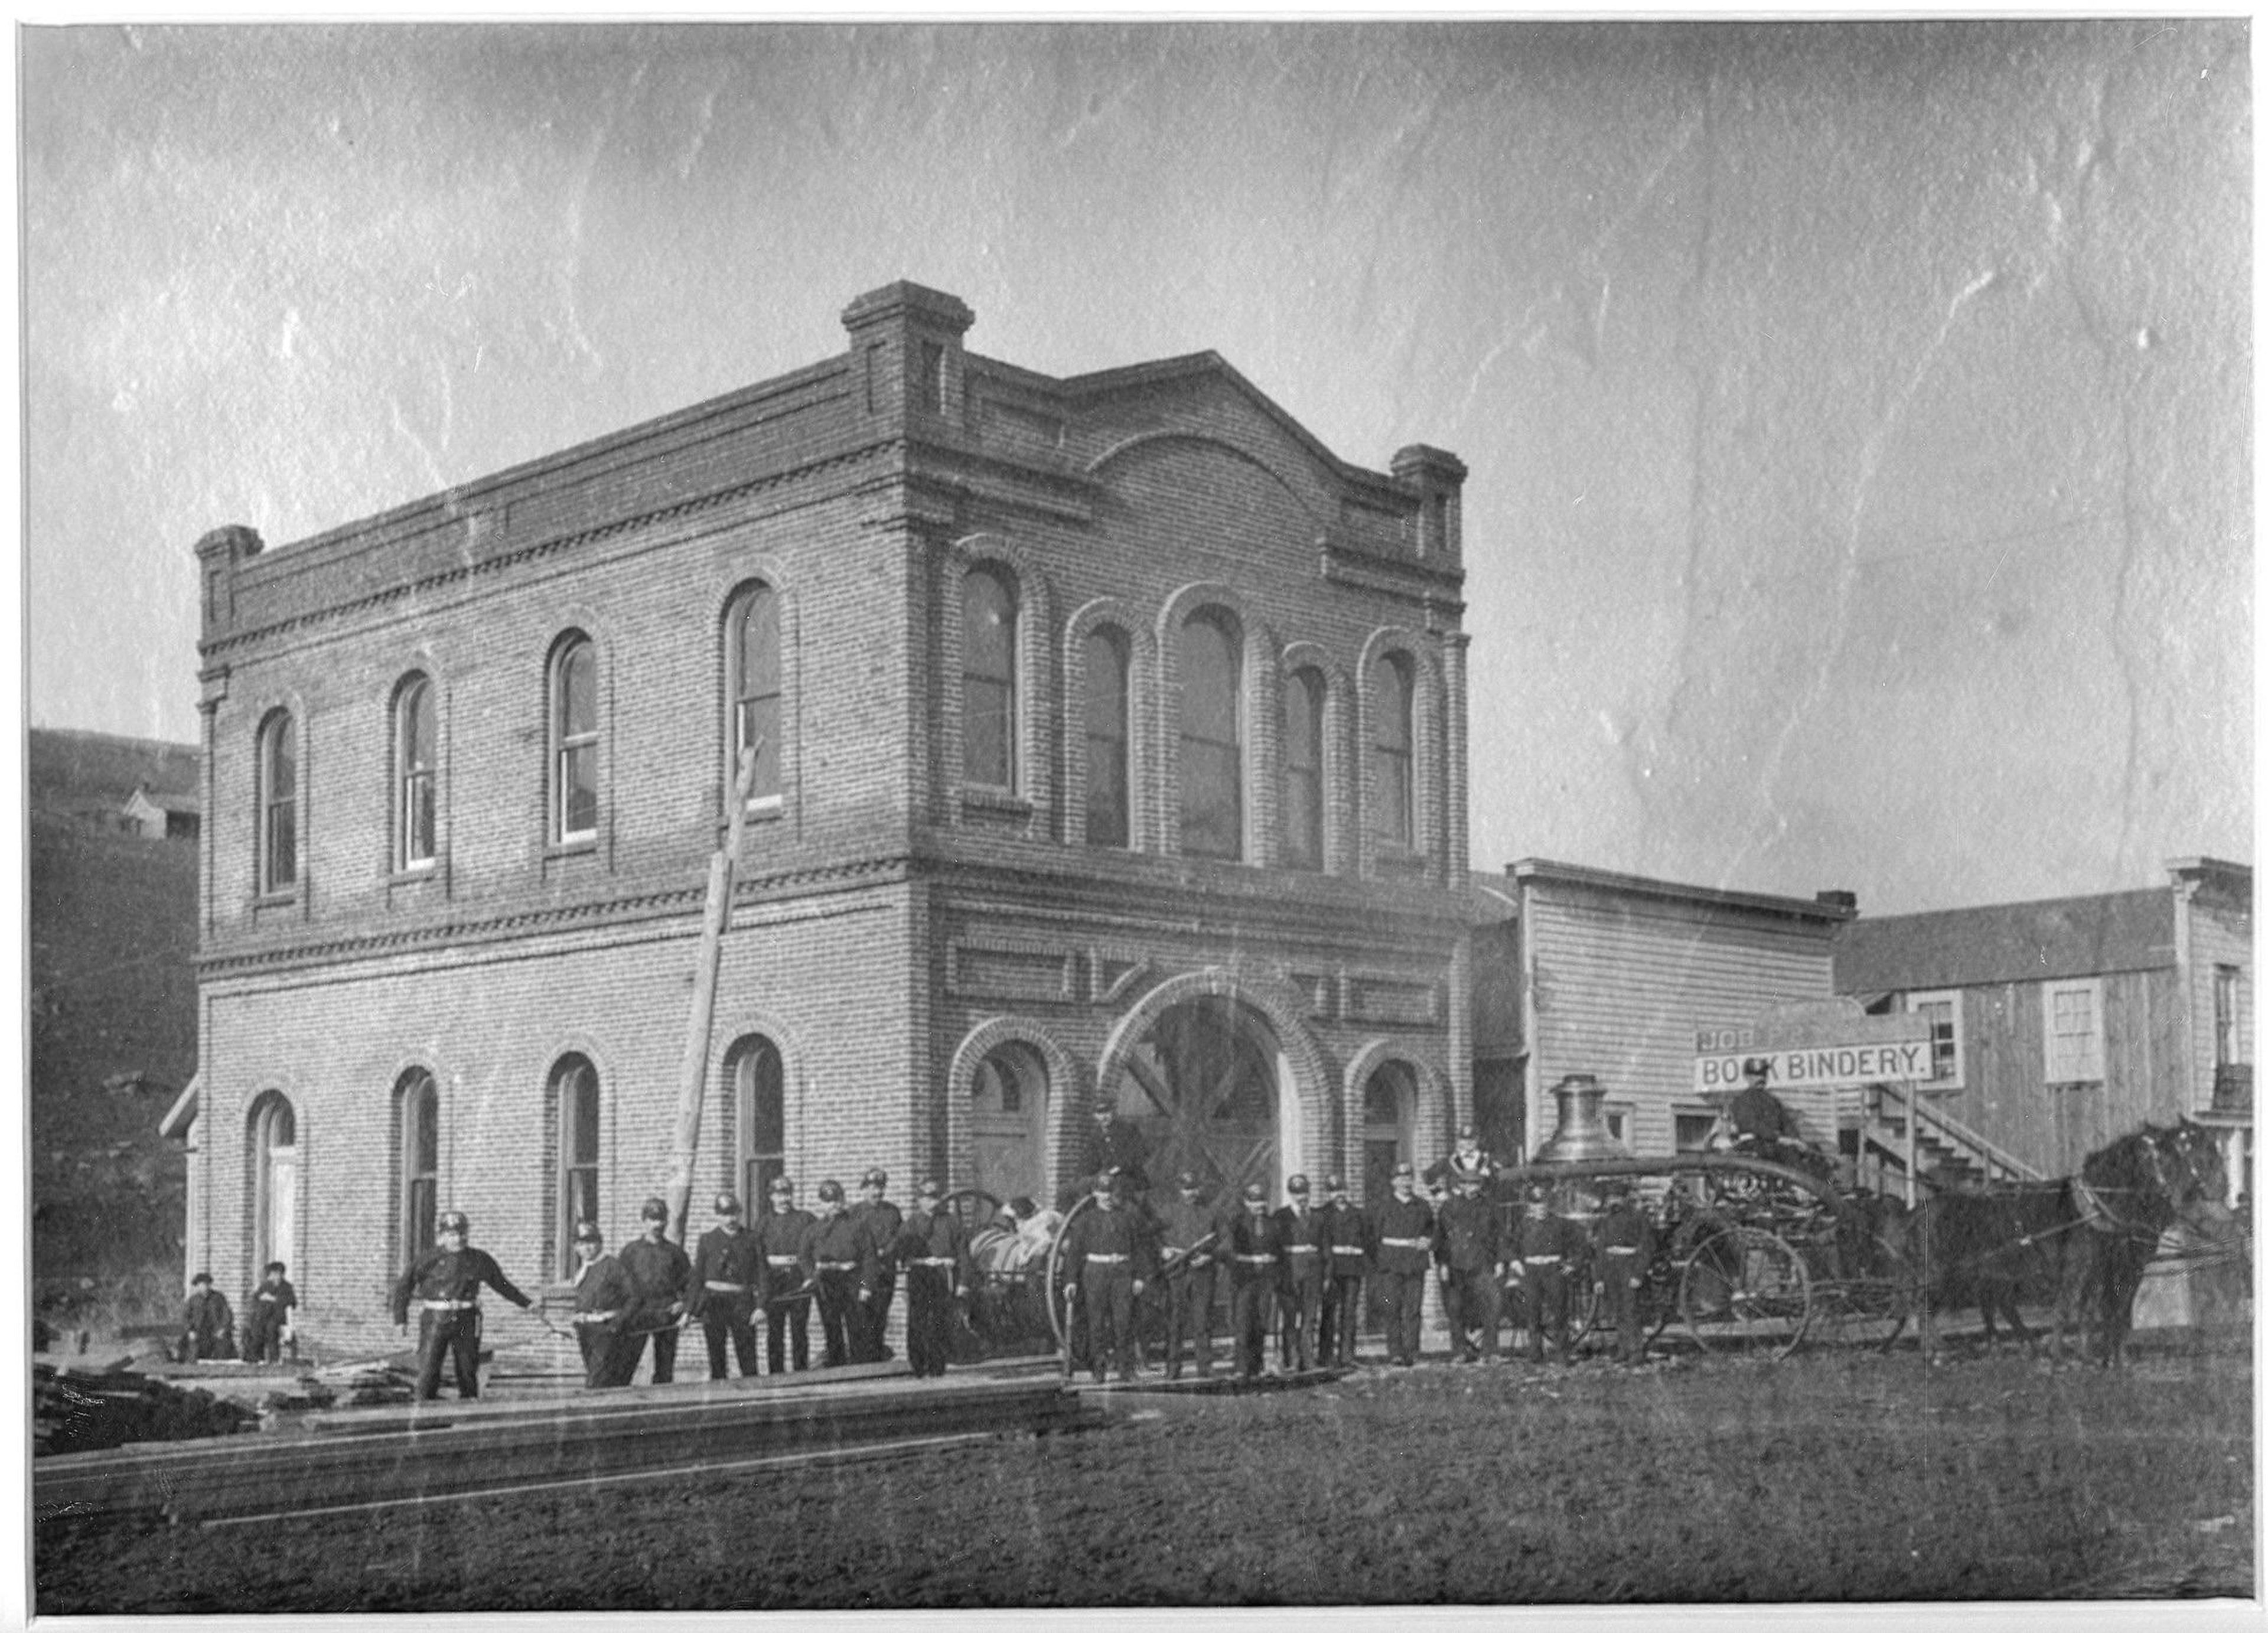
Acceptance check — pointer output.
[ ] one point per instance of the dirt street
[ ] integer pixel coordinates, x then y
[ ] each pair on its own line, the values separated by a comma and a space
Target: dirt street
1832, 1477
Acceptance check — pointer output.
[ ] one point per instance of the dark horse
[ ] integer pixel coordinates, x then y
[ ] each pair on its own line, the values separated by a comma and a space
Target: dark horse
2128, 1195
2077, 1245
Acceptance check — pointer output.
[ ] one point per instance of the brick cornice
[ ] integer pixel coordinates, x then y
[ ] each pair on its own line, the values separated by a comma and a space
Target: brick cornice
552, 918
535, 550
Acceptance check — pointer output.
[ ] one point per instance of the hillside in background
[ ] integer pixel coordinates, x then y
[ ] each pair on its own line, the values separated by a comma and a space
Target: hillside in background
112, 1012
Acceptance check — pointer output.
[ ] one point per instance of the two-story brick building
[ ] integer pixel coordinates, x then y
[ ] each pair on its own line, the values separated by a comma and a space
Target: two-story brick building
1111, 749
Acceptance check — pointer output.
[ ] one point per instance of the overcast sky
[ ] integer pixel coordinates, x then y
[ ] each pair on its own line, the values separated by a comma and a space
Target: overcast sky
1859, 414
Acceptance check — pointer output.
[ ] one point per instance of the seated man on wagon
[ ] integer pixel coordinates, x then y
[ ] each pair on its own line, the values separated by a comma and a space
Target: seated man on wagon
1762, 1127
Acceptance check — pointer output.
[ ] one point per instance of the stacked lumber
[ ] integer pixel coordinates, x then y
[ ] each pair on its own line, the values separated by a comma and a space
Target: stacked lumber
378, 1383
77, 1411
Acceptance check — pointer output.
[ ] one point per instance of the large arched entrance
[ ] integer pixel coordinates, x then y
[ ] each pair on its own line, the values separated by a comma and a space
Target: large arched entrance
1216, 1086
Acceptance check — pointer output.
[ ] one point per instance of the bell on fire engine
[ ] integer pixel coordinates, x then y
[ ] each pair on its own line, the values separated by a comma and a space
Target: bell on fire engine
1582, 1135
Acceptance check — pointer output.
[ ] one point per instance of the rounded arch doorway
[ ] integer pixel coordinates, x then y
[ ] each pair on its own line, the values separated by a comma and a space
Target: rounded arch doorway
1210, 1089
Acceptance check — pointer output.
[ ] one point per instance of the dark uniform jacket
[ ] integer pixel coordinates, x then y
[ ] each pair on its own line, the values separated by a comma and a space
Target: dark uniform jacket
1181, 1226
1446, 1171
882, 1222
1402, 1235
779, 1240
725, 1255
1557, 1243
453, 1274
1119, 1231
1350, 1239
839, 1241
605, 1296
1468, 1234
661, 1273
1255, 1248
1625, 1228
937, 1237
1305, 1240
1756, 1112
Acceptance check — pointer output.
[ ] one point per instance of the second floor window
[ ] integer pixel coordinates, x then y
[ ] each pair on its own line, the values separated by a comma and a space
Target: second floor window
988, 694
575, 741
278, 804
1303, 770
414, 757
1107, 735
753, 662
2228, 1028
1212, 747
1391, 799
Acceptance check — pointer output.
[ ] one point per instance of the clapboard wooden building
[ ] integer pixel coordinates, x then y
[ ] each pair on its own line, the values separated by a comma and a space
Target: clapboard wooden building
2061, 1024
1110, 741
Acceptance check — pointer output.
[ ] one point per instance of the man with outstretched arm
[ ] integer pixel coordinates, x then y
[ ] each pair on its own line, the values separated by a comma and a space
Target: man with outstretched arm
447, 1281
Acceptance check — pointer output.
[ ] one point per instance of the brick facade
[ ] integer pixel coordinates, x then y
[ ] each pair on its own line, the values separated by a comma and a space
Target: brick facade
895, 926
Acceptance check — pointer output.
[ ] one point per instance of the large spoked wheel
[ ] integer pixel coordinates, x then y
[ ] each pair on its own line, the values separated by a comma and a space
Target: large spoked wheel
1055, 1273
1745, 1291
1867, 1310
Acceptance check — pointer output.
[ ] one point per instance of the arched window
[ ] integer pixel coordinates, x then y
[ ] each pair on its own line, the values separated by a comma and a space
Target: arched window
575, 1186
1391, 817
760, 1104
1212, 750
1107, 737
988, 681
574, 741
1303, 769
417, 1143
752, 682
279, 805
274, 1179
414, 746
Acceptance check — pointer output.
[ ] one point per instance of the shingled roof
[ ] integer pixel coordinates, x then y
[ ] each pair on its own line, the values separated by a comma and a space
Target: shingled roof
1982, 947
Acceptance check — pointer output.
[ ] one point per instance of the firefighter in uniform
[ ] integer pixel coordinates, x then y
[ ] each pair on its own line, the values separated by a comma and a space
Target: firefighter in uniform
1191, 1236
1549, 1254
838, 1262
1466, 1158
1305, 1239
1401, 1229
1623, 1241
1349, 1229
934, 1250
663, 1276
1467, 1247
880, 1221
1105, 1266
1256, 1261
604, 1297
446, 1282
728, 1274
786, 1287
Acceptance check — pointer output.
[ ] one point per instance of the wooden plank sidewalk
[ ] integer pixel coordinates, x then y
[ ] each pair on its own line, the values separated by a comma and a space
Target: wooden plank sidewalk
447, 1448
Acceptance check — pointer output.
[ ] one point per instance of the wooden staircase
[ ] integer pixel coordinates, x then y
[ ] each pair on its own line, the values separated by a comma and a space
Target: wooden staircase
1938, 1152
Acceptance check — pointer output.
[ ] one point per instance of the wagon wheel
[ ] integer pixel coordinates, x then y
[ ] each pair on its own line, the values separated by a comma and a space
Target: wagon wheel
1053, 1281
1745, 1291
1868, 1307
